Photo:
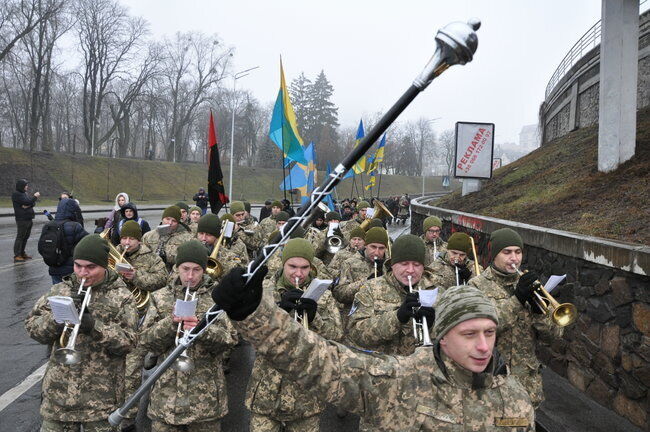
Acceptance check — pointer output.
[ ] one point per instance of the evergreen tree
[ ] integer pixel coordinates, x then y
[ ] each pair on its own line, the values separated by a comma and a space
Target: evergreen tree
322, 111
300, 91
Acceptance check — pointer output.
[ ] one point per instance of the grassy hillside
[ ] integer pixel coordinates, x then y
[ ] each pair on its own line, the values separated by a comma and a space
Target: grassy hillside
94, 180
559, 186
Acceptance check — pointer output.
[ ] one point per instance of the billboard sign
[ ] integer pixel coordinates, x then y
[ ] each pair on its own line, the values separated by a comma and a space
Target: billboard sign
474, 150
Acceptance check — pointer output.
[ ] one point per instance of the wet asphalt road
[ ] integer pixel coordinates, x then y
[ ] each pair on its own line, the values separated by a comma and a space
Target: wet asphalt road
22, 284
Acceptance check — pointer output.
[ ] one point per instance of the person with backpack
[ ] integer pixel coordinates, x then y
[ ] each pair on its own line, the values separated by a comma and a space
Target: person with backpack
59, 238
24, 214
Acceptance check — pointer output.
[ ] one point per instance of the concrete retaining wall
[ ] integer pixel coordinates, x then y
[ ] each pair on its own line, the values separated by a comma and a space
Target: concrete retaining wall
606, 353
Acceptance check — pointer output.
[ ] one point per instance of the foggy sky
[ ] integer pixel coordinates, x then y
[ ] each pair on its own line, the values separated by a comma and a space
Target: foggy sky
372, 50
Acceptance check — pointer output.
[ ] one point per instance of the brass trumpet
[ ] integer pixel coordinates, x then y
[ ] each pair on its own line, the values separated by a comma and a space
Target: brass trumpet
67, 355
214, 268
562, 314
420, 328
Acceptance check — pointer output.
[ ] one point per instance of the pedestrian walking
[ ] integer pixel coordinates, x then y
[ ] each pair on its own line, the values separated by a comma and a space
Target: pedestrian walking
24, 214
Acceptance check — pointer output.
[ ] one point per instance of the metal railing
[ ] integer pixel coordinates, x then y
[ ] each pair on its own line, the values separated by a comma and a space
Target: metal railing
586, 43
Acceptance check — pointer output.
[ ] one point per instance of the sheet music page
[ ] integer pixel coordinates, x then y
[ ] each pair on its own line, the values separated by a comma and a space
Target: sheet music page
185, 308
317, 288
63, 309
553, 282
428, 297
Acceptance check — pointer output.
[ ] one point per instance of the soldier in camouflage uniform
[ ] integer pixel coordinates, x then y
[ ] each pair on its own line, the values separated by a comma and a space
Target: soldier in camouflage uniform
274, 263
148, 274
348, 226
208, 232
454, 260
374, 322
432, 227
356, 244
275, 401
234, 244
185, 212
194, 216
522, 322
458, 384
364, 265
165, 245
86, 393
193, 400
268, 225
246, 227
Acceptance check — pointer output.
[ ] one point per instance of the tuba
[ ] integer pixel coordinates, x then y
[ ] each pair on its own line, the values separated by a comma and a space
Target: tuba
114, 257
379, 212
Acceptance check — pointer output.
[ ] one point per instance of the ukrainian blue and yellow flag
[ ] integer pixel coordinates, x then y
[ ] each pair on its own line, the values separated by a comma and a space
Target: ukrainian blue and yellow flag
360, 166
375, 160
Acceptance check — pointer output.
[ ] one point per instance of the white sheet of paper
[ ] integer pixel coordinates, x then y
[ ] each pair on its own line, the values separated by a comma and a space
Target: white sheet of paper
428, 297
553, 282
332, 227
317, 288
123, 267
228, 229
63, 309
185, 308
163, 229
370, 213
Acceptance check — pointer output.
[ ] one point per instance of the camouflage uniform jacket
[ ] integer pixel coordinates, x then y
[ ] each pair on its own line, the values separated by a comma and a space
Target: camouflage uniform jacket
421, 392
518, 329
445, 272
150, 270
92, 389
348, 226
274, 395
238, 248
264, 230
274, 265
354, 274
431, 250
339, 258
169, 243
227, 259
193, 226
199, 395
247, 233
373, 322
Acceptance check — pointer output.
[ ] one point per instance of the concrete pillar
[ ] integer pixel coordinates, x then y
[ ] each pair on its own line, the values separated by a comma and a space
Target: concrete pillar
573, 108
618, 82
470, 185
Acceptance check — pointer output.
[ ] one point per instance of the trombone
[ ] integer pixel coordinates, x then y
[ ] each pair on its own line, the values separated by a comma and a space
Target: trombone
420, 328
183, 363
562, 314
67, 355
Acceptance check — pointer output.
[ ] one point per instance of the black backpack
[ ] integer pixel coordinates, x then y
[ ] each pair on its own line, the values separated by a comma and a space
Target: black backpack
52, 245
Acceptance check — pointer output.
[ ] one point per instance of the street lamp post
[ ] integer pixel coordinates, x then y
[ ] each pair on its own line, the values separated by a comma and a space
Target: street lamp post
174, 144
236, 76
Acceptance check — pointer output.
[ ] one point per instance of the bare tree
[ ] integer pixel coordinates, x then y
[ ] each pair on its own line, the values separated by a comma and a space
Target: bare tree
447, 143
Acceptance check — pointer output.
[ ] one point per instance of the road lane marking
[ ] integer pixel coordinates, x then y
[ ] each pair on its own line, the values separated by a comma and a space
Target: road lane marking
14, 393
19, 264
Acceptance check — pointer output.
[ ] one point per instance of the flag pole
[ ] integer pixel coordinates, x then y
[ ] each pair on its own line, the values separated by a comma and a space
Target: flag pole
363, 189
381, 165
284, 176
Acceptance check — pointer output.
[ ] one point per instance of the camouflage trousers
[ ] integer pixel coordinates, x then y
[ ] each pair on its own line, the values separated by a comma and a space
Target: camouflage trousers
59, 426
207, 426
262, 423
133, 375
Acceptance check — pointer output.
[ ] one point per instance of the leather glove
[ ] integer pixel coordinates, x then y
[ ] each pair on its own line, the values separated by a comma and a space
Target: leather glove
87, 322
289, 299
525, 287
464, 273
237, 297
307, 306
405, 311
428, 312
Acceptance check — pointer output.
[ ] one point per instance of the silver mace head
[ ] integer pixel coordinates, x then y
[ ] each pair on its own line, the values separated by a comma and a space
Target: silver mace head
456, 43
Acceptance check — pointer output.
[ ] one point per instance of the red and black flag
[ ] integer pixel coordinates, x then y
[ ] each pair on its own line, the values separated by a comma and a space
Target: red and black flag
216, 190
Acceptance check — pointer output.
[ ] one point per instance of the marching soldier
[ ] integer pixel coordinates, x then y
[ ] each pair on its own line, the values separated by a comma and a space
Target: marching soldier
454, 261
165, 245
246, 228
148, 274
268, 225
274, 263
195, 215
208, 232
274, 401
234, 244
432, 227
522, 322
84, 394
185, 212
379, 317
458, 384
365, 265
194, 400
319, 238
356, 244
348, 226
249, 217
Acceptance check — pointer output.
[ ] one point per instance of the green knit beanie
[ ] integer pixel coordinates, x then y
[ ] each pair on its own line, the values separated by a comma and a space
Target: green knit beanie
247, 206
236, 207
92, 248
503, 238
182, 205
298, 247
358, 232
277, 203
408, 248
192, 251
209, 224
458, 304
228, 217
131, 229
282, 216
330, 216
374, 222
197, 208
362, 205
376, 235
460, 241
173, 212
431, 221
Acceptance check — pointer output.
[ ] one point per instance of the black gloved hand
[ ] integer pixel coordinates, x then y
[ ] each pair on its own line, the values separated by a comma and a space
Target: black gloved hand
87, 322
525, 287
289, 299
334, 284
307, 306
237, 297
464, 273
426, 311
405, 311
